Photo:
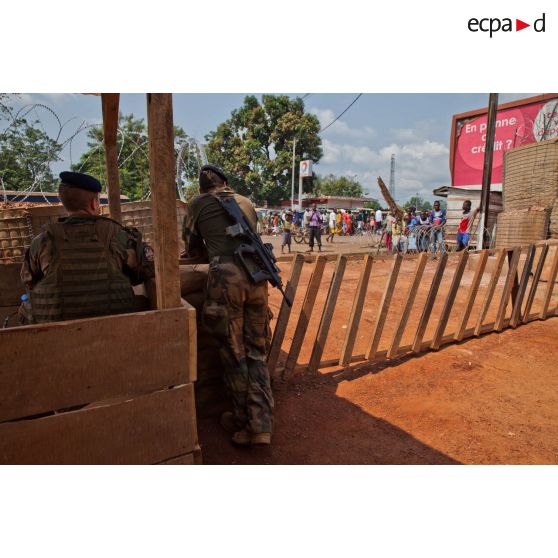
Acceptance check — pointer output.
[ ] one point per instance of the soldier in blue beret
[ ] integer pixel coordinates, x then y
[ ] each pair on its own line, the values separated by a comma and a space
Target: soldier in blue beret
84, 265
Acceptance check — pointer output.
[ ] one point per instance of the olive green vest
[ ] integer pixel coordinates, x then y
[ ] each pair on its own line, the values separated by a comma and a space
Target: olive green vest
84, 277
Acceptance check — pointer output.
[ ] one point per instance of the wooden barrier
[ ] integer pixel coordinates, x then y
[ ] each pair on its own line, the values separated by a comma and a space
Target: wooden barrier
486, 285
112, 389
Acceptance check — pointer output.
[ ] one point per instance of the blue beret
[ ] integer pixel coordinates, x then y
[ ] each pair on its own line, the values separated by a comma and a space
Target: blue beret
80, 180
216, 170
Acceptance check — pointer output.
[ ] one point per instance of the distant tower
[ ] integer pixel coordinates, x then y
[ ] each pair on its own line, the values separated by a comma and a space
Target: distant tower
392, 177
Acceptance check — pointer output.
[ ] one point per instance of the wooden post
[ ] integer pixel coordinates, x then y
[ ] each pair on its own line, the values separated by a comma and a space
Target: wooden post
356, 312
522, 288
284, 313
325, 322
110, 102
490, 291
413, 288
384, 307
162, 179
305, 313
508, 286
535, 283
446, 311
487, 167
432, 293
483, 257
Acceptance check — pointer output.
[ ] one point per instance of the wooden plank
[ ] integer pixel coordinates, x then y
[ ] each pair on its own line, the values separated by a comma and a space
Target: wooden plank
284, 314
192, 458
162, 179
550, 287
192, 336
325, 322
62, 364
508, 286
431, 299
384, 307
535, 283
306, 313
412, 293
496, 271
110, 103
356, 311
143, 430
481, 265
452, 293
522, 288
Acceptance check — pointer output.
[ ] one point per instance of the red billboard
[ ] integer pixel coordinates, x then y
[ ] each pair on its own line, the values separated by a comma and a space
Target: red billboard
518, 123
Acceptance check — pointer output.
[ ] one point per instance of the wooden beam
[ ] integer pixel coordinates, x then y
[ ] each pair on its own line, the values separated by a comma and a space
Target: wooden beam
490, 290
481, 265
522, 289
162, 178
110, 103
384, 307
550, 287
329, 308
535, 283
508, 286
429, 305
412, 293
455, 282
305, 314
356, 311
284, 314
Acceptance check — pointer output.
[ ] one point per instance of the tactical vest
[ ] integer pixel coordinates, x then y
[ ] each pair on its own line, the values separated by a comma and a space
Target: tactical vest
84, 278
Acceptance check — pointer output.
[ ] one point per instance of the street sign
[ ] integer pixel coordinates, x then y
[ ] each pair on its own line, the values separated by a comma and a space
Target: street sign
306, 168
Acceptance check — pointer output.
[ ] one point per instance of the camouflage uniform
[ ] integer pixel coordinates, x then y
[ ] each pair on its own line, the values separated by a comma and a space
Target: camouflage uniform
84, 266
235, 310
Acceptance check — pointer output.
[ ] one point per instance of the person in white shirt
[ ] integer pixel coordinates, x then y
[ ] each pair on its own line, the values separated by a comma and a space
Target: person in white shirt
378, 218
332, 226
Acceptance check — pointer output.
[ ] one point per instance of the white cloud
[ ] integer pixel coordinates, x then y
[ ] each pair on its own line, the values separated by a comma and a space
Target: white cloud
340, 128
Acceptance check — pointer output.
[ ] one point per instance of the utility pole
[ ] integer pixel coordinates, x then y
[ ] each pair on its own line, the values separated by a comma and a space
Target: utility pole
300, 191
293, 175
392, 177
487, 168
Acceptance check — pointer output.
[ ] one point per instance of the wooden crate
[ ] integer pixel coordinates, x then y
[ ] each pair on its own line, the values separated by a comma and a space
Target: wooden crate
138, 215
107, 390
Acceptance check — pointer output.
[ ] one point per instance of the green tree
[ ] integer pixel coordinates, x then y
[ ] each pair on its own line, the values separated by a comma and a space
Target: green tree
375, 204
419, 203
254, 146
332, 185
26, 151
133, 156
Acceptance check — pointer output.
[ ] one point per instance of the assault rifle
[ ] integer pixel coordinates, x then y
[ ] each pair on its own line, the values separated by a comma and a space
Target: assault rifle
259, 253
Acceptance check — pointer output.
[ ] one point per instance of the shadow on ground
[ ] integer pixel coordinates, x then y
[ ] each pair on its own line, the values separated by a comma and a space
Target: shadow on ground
316, 426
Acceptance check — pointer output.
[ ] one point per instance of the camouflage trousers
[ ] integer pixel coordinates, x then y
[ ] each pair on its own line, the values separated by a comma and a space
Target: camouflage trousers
236, 312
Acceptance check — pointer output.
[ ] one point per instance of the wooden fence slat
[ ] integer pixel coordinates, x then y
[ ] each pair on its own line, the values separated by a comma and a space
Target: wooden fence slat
305, 313
458, 274
508, 287
284, 314
412, 293
356, 311
325, 322
525, 276
429, 305
535, 283
490, 290
146, 429
481, 265
549, 289
384, 307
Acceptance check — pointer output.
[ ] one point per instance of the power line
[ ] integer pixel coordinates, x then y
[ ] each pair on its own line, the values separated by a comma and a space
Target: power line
338, 117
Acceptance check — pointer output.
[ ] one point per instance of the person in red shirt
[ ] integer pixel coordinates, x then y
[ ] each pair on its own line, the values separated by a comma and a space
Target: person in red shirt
464, 230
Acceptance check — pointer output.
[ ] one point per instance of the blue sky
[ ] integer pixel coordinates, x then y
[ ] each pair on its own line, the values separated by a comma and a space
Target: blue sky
414, 127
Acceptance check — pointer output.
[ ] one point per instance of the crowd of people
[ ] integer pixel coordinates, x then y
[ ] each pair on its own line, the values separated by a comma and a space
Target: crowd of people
417, 230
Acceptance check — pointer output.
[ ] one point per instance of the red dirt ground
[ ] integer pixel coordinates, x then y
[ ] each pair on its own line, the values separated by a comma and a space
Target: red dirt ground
487, 400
